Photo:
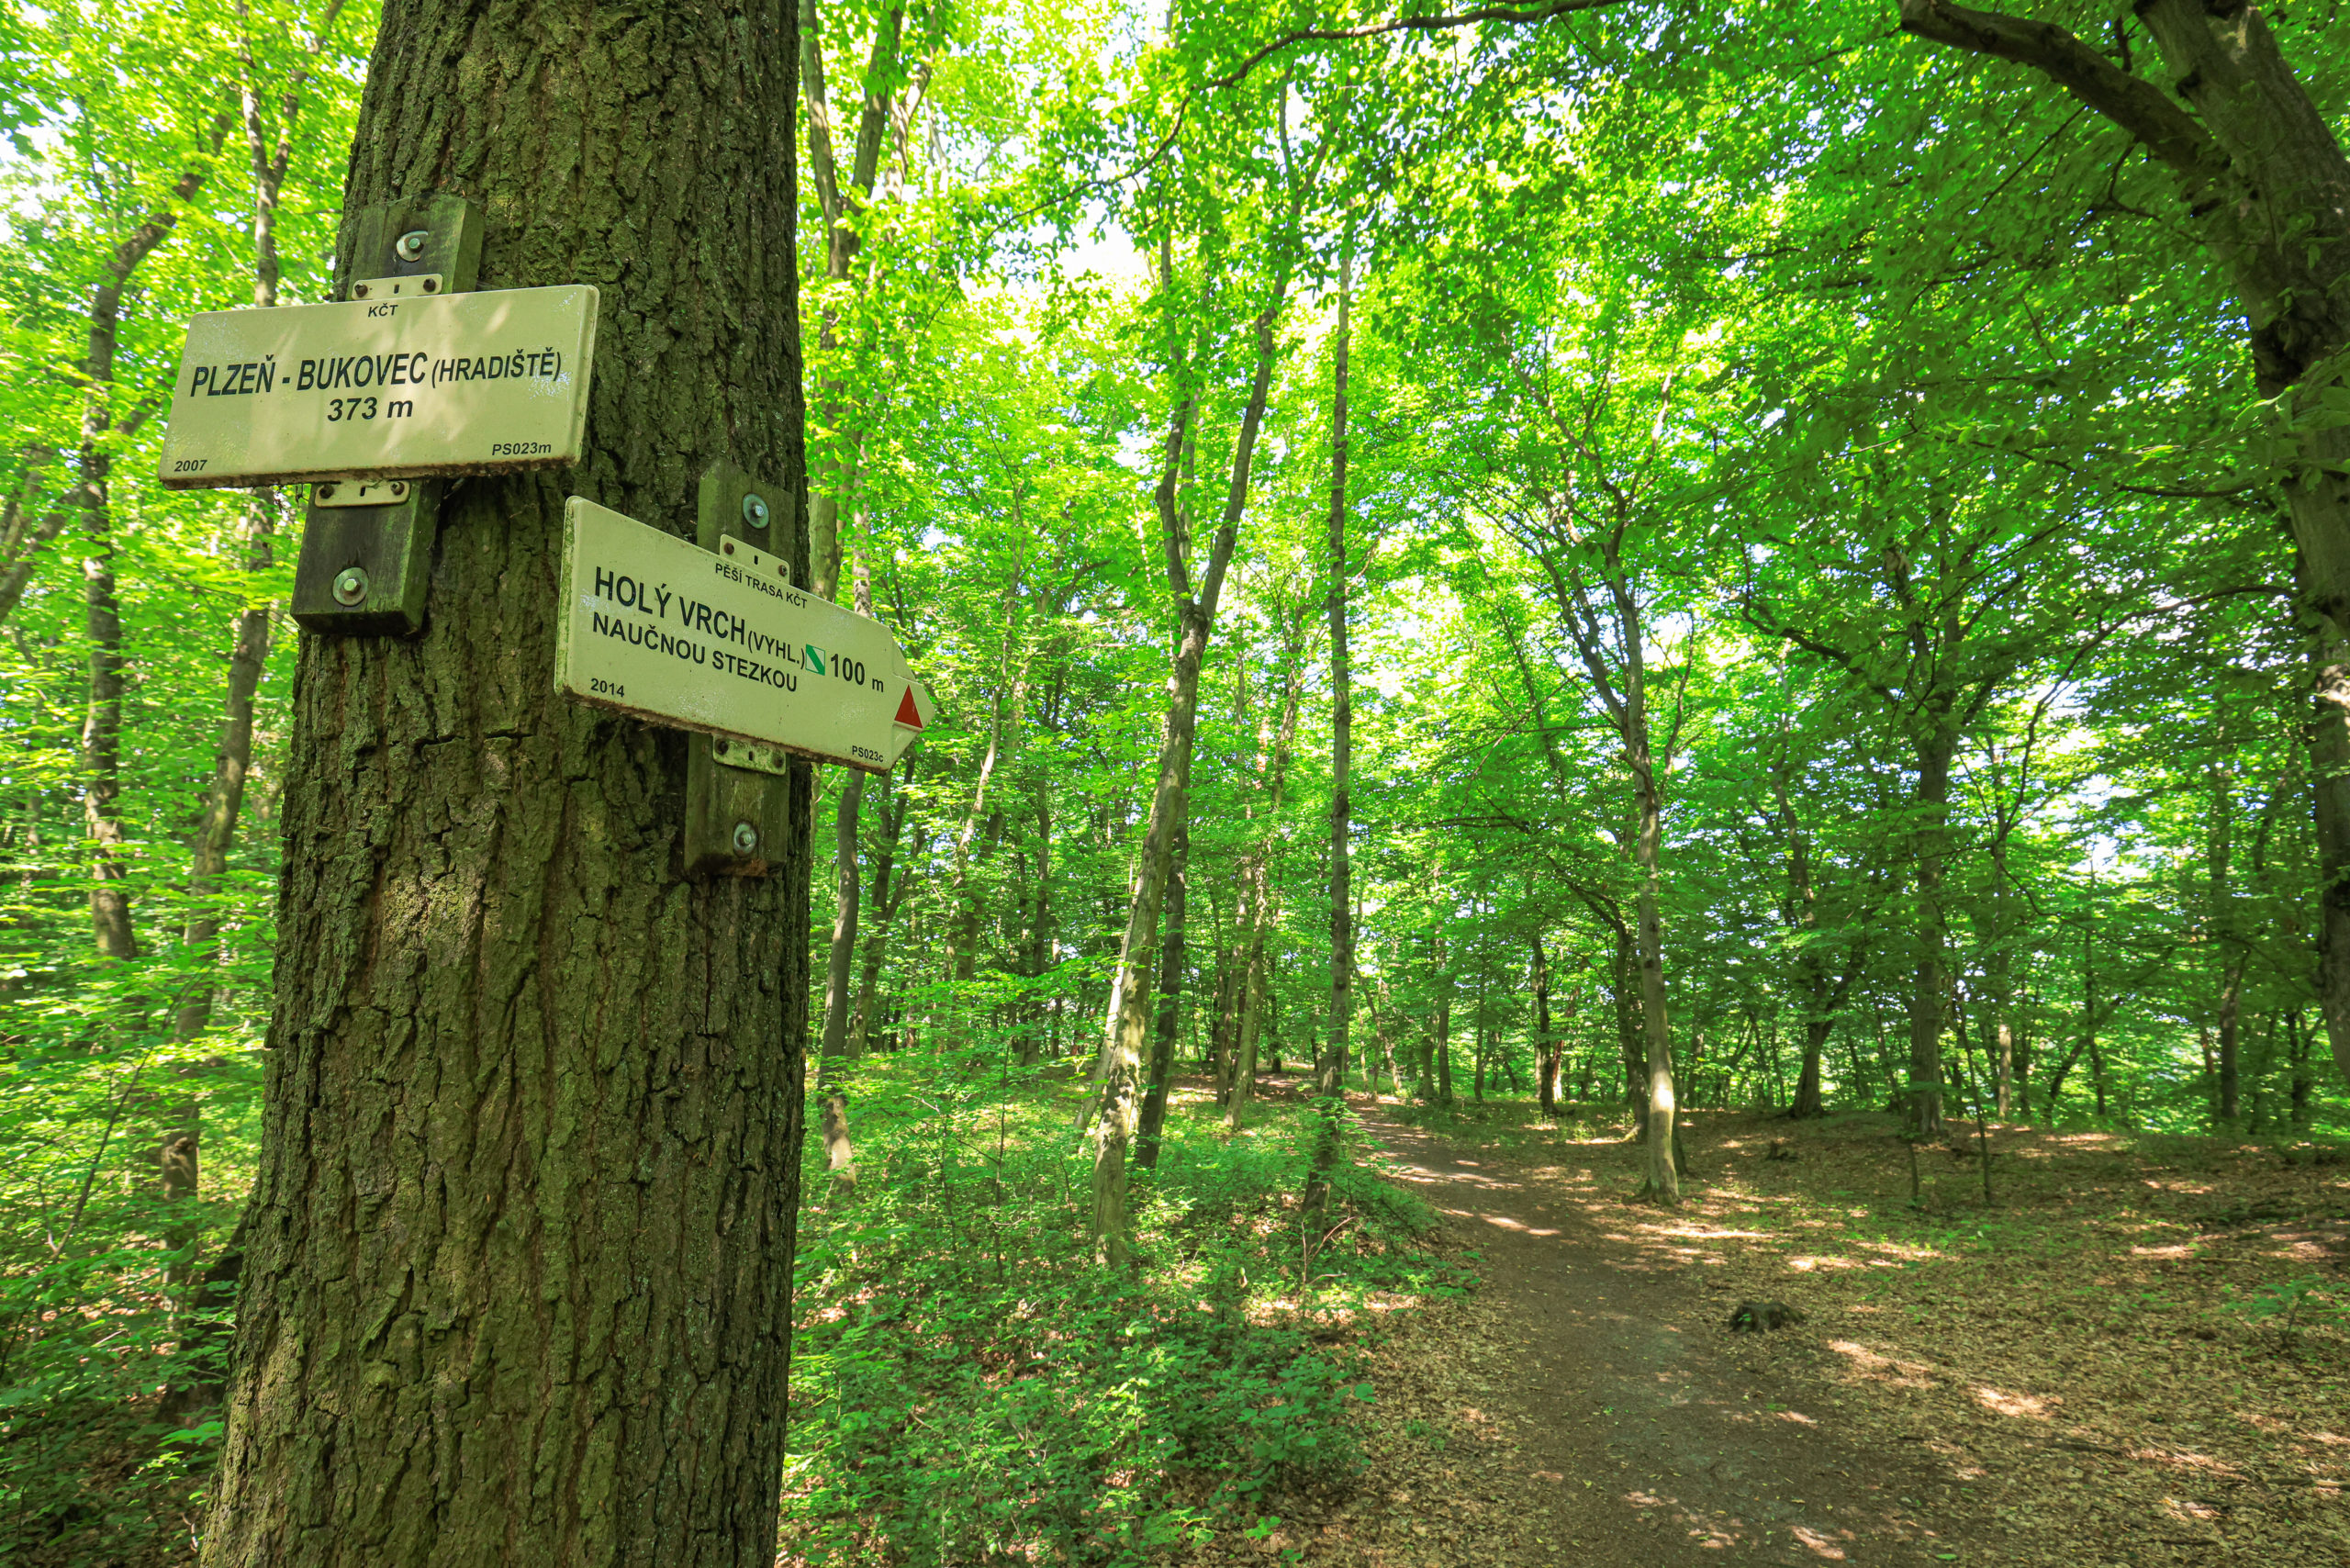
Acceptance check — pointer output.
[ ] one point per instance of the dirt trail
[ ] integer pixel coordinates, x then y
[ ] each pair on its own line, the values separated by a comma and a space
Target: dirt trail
1645, 1433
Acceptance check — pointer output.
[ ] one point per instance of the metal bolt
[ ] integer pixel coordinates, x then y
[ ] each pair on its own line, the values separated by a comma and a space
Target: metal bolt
721, 747
410, 245
754, 511
433, 285
324, 492
350, 585
747, 838
399, 489
730, 547
358, 291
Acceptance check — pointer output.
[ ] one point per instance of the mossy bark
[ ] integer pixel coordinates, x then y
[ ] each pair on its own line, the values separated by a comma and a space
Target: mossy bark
518, 1282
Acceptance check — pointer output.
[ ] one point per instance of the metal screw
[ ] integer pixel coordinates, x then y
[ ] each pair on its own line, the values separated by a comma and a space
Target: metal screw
350, 585
410, 245
323, 492
747, 838
359, 291
433, 285
399, 489
721, 747
730, 547
754, 511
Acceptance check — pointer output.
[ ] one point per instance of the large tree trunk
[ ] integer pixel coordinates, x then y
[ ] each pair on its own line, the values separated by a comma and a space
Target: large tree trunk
518, 1283
2267, 186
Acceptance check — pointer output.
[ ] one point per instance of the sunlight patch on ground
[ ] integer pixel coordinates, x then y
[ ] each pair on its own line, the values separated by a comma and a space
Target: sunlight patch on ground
1821, 1545
1506, 1223
2008, 1403
1884, 1369
1710, 1233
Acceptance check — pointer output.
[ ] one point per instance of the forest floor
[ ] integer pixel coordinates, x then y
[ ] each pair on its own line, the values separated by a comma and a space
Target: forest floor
2096, 1369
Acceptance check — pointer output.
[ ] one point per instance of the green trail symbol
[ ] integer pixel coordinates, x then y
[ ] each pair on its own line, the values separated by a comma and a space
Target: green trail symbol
816, 658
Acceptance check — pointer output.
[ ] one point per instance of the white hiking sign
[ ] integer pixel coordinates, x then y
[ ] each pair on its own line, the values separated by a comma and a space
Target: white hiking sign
486, 383
722, 643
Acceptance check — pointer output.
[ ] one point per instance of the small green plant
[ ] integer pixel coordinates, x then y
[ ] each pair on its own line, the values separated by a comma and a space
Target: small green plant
2291, 1304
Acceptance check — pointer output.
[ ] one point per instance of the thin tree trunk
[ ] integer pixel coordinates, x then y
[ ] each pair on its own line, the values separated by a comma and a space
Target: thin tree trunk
1444, 1042
102, 611
1546, 1047
1128, 1022
1171, 999
1923, 1092
897, 808
847, 887
1330, 1082
2220, 924
1274, 746
519, 1281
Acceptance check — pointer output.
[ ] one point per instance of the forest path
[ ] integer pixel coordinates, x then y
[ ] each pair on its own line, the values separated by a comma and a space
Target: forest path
1644, 1432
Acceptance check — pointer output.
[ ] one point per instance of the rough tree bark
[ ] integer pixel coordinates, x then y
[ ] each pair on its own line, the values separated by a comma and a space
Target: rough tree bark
518, 1276
2267, 187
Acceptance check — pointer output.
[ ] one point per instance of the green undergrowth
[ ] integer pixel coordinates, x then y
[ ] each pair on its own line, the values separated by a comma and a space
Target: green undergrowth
970, 1385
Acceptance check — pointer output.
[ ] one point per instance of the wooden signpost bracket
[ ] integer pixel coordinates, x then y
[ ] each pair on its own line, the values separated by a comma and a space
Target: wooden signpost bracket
363, 569
738, 818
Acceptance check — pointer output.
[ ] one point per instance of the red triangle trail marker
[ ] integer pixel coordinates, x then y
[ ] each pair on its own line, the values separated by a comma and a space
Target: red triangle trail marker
908, 714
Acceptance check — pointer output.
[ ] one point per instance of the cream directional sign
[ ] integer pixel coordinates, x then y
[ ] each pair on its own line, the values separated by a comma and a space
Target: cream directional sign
390, 388
655, 626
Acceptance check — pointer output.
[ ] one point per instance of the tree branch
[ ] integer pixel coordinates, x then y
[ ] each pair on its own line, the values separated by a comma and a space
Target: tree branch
2135, 105
1520, 16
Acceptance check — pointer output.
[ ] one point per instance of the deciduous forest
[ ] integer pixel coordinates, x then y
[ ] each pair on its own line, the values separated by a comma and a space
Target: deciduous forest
1635, 848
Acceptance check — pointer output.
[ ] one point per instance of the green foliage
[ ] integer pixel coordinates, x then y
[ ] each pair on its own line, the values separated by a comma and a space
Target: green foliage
2290, 1306
967, 1383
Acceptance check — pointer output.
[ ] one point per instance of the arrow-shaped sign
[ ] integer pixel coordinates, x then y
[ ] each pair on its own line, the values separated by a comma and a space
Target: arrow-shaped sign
722, 643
